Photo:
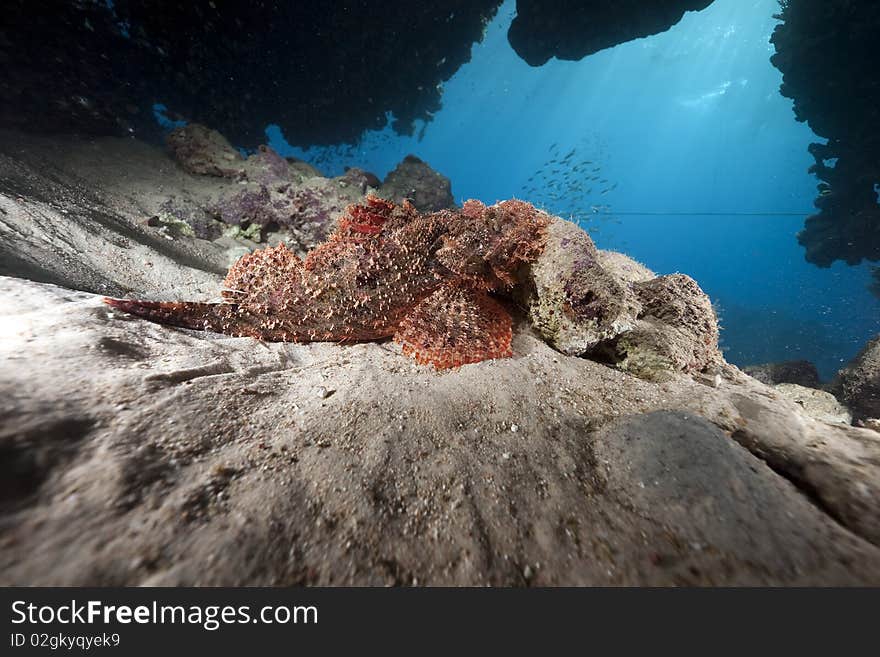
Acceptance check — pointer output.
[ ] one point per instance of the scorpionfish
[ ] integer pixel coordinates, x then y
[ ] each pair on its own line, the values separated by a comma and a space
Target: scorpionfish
386, 271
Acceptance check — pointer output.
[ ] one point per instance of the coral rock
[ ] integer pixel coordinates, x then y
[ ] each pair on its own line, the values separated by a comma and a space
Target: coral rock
364, 181
607, 306
267, 167
818, 404
572, 300
624, 268
799, 372
308, 212
858, 384
677, 330
415, 181
203, 151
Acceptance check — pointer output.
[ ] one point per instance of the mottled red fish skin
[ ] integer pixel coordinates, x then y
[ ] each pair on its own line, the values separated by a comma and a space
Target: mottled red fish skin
387, 270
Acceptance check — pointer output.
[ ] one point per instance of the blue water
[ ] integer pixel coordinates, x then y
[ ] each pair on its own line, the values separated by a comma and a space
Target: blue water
709, 163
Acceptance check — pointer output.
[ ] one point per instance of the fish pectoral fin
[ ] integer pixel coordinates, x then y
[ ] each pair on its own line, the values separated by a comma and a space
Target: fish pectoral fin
455, 326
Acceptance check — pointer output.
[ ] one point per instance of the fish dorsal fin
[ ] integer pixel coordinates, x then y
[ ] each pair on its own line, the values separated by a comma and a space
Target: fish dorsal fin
365, 219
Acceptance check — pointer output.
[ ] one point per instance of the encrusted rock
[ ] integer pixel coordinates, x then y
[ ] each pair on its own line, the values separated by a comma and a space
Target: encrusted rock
249, 205
360, 179
203, 151
624, 268
266, 167
306, 211
818, 404
417, 182
676, 330
800, 372
607, 306
572, 300
858, 384
309, 212
188, 215
277, 193
302, 168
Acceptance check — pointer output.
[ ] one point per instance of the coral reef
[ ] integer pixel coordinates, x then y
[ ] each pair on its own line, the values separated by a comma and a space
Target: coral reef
858, 384
288, 195
269, 199
307, 212
380, 275
573, 29
415, 181
273, 193
827, 51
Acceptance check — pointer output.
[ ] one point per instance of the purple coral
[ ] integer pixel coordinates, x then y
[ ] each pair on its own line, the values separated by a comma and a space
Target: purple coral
246, 206
268, 167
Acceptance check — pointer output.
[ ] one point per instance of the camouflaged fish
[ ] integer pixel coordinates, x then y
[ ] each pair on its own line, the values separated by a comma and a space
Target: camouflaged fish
387, 271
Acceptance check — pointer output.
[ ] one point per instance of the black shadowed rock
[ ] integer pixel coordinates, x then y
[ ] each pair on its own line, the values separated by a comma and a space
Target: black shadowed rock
415, 181
800, 372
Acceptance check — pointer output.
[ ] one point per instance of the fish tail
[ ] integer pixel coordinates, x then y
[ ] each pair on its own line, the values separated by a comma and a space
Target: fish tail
185, 314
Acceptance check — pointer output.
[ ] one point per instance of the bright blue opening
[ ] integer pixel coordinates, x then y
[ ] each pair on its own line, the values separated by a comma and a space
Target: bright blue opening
159, 111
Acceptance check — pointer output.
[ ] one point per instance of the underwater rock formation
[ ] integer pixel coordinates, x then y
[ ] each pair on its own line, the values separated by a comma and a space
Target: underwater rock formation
99, 68
827, 51
143, 197
363, 181
307, 212
676, 331
280, 194
415, 181
382, 274
612, 308
858, 384
203, 151
324, 72
573, 29
818, 404
572, 300
799, 372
